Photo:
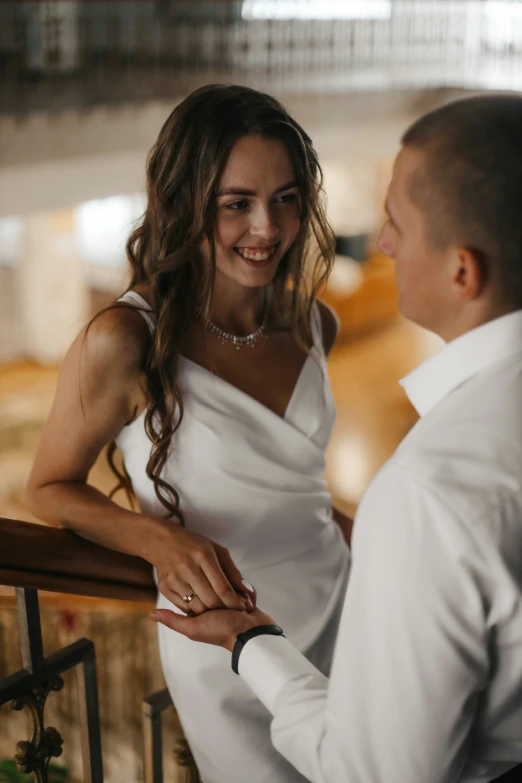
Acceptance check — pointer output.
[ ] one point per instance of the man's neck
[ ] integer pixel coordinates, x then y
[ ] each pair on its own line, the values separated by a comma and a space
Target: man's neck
472, 319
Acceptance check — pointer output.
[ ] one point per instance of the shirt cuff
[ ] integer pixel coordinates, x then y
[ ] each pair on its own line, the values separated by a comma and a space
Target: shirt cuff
267, 663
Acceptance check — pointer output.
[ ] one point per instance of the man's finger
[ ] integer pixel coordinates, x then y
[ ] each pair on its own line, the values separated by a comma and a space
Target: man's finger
177, 622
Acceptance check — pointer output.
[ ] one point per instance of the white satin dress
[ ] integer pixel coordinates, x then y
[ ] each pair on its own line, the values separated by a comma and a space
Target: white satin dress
253, 482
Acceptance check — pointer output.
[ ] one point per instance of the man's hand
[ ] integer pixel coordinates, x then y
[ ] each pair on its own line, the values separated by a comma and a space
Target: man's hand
218, 626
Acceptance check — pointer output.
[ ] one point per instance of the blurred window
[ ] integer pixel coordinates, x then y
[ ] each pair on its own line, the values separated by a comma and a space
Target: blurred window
10, 240
503, 24
316, 9
103, 226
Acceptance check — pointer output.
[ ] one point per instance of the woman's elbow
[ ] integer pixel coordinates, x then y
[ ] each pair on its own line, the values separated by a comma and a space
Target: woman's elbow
33, 500
30, 497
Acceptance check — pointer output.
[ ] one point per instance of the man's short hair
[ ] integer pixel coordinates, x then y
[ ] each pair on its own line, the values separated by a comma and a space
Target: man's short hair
471, 188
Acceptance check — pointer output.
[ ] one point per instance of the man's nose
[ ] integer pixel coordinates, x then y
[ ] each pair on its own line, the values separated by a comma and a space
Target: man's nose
385, 242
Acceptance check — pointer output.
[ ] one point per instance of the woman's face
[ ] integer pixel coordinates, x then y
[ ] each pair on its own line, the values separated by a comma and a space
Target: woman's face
258, 211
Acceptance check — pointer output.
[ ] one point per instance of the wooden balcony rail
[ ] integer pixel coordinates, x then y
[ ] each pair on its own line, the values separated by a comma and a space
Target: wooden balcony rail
47, 558
36, 557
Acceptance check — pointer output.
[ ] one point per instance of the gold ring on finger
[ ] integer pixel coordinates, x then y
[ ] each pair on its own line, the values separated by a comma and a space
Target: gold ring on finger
188, 598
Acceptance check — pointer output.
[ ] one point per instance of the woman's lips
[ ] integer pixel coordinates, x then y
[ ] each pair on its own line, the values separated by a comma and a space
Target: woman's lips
257, 256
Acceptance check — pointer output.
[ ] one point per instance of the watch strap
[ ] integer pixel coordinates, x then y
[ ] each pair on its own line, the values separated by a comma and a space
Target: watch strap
243, 638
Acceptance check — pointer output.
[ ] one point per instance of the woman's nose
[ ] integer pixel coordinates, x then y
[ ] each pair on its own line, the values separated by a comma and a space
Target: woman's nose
263, 224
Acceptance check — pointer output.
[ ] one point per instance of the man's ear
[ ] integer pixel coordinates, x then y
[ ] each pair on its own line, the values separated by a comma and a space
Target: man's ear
469, 277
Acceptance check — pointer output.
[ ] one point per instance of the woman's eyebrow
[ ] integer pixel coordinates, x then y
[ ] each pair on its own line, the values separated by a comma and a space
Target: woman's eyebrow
237, 191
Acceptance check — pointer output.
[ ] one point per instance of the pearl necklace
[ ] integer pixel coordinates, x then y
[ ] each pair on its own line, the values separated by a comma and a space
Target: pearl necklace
235, 339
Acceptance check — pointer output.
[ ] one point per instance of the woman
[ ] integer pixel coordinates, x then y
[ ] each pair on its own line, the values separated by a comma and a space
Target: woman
210, 376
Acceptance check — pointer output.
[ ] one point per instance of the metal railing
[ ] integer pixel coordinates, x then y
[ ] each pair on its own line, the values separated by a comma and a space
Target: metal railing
35, 557
58, 53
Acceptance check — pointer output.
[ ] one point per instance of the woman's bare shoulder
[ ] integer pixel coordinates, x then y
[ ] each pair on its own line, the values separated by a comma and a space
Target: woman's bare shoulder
330, 325
114, 344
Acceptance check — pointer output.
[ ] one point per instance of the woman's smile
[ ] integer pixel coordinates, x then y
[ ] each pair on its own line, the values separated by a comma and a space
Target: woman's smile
257, 256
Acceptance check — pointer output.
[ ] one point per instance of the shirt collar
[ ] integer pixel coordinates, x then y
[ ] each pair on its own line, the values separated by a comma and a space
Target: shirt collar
461, 359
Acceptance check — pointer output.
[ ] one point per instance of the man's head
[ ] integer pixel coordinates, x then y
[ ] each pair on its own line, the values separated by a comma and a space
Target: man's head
455, 209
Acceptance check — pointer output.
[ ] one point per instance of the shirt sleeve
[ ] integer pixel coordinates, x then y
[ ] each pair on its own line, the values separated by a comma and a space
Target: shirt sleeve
411, 655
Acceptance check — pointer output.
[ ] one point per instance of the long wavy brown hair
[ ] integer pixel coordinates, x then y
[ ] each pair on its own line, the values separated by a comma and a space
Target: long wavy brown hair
184, 168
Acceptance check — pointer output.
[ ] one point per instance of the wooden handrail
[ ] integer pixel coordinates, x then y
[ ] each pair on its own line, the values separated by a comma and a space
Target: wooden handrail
54, 559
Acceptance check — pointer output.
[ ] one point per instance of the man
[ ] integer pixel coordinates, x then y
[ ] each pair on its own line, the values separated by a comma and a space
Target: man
426, 683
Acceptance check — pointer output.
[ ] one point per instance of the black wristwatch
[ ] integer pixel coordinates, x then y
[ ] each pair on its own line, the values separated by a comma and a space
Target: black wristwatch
243, 638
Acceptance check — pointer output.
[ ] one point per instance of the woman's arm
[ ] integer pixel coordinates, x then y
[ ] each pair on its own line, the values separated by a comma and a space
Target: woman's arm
345, 523
100, 390
330, 323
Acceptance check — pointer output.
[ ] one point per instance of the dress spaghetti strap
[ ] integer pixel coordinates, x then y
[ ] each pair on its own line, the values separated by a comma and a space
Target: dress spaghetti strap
141, 306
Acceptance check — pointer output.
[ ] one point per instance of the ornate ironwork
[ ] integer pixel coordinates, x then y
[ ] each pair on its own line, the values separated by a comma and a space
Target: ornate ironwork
184, 758
31, 687
35, 754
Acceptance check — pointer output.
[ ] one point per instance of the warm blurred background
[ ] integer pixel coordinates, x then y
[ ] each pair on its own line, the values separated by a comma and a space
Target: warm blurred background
85, 86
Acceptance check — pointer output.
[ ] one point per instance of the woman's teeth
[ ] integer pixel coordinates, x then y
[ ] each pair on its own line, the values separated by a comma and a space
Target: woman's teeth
256, 255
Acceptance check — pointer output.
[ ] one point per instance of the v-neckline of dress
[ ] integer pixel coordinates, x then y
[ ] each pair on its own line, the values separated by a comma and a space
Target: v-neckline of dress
244, 394
187, 361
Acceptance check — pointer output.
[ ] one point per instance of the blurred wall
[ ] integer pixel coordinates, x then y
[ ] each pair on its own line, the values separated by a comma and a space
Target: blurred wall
52, 161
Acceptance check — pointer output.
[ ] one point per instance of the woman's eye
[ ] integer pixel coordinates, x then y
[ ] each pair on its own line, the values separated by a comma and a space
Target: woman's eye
288, 198
237, 205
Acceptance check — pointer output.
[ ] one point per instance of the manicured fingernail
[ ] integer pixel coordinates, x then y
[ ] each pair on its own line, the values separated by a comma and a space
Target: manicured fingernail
248, 586
154, 616
250, 603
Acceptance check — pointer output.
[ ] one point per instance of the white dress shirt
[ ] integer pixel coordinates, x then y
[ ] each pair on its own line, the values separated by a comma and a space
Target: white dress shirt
426, 683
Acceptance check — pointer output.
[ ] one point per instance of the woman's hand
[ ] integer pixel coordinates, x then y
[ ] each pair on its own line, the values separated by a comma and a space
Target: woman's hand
219, 628
189, 562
